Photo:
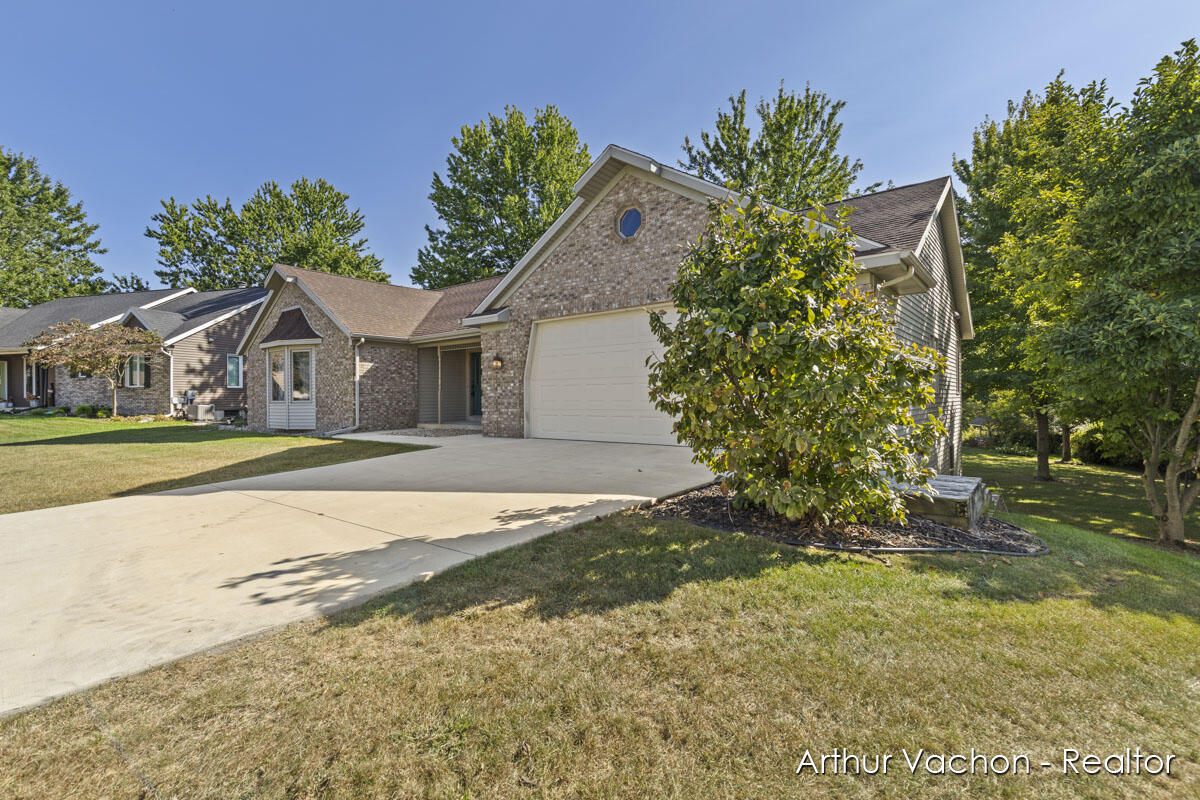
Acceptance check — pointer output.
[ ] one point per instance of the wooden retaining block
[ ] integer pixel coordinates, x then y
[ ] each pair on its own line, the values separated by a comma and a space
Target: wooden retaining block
951, 500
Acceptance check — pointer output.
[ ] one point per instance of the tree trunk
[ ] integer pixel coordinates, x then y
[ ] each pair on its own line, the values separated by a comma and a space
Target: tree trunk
1043, 445
114, 388
1066, 444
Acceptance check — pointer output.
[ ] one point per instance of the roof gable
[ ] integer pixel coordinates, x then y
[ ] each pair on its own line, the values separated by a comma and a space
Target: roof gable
591, 187
362, 307
93, 309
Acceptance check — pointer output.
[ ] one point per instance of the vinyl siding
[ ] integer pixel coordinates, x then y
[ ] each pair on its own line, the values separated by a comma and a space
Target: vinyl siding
928, 319
454, 385
427, 384
199, 365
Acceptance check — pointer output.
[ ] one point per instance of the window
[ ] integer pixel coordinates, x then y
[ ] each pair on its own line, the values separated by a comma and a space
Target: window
3, 381
629, 223
233, 372
301, 375
136, 371
277, 379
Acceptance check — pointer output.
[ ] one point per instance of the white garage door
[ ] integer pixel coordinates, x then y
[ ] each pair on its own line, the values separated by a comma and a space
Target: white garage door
588, 380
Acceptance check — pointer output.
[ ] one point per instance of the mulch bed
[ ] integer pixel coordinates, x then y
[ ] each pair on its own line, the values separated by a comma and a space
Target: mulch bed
711, 507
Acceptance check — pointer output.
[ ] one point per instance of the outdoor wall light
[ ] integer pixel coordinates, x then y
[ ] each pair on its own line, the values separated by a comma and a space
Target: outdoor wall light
497, 362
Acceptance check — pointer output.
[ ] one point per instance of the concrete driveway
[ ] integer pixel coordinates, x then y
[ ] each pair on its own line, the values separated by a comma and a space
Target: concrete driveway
97, 590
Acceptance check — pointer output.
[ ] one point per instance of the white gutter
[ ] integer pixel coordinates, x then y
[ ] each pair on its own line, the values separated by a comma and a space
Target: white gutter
898, 279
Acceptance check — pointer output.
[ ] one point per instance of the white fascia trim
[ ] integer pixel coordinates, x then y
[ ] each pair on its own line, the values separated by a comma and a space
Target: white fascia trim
180, 293
958, 272
222, 318
529, 256
933, 218
289, 343
485, 319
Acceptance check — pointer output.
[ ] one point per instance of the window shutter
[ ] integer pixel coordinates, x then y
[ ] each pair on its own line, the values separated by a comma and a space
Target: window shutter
146, 372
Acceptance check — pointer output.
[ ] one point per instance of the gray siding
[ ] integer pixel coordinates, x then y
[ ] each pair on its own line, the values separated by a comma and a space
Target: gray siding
454, 385
427, 383
16, 380
199, 364
928, 319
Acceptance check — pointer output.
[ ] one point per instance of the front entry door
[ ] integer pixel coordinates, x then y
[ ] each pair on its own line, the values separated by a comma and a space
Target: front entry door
476, 384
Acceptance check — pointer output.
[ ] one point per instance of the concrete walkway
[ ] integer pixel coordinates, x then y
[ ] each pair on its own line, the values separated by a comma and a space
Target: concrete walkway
97, 590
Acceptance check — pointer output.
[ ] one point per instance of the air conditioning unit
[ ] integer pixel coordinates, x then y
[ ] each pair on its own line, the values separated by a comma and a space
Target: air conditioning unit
202, 412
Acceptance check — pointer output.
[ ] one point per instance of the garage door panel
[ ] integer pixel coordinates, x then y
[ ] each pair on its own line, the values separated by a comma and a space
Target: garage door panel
588, 380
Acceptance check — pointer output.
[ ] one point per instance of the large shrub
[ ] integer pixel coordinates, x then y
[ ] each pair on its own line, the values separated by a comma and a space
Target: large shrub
785, 378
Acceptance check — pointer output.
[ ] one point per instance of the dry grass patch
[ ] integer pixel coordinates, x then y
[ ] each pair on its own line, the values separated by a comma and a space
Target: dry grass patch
55, 461
642, 658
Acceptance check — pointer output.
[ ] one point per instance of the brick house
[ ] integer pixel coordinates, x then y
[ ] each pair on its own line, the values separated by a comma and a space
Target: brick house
198, 360
557, 347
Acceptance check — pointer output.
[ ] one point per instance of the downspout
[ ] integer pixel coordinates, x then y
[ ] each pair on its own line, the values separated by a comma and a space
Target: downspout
353, 427
170, 354
899, 279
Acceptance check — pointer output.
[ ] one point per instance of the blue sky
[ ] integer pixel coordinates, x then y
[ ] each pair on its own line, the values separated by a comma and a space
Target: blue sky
131, 104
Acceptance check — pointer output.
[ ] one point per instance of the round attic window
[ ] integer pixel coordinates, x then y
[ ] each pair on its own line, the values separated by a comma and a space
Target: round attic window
629, 223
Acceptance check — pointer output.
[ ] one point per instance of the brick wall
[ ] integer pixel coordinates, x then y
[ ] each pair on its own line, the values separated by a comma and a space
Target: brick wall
387, 386
70, 391
591, 269
333, 378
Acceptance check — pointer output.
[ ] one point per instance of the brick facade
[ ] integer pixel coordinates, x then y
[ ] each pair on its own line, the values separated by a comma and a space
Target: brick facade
590, 269
70, 391
387, 373
333, 366
387, 386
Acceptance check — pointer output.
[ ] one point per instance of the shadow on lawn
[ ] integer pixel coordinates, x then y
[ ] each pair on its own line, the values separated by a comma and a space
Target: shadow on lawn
633, 560
150, 434
1107, 572
591, 570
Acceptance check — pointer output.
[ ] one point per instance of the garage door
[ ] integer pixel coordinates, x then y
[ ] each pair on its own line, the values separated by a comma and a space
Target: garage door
588, 380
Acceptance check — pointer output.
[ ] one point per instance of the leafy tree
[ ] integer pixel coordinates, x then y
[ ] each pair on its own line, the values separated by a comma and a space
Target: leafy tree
785, 378
212, 245
46, 243
505, 183
1128, 341
131, 282
792, 160
103, 351
1023, 177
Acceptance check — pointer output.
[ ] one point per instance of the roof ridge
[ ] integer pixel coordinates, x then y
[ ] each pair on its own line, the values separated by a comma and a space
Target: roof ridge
893, 189
356, 278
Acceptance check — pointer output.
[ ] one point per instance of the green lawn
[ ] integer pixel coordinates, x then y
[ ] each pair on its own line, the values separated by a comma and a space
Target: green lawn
1094, 498
636, 658
54, 461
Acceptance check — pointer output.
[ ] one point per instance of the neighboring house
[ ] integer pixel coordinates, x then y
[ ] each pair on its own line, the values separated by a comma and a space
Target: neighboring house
557, 348
199, 356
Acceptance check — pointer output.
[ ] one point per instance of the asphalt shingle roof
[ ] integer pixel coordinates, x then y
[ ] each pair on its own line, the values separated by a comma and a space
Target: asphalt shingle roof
176, 316
455, 303
368, 308
896, 218
88, 308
